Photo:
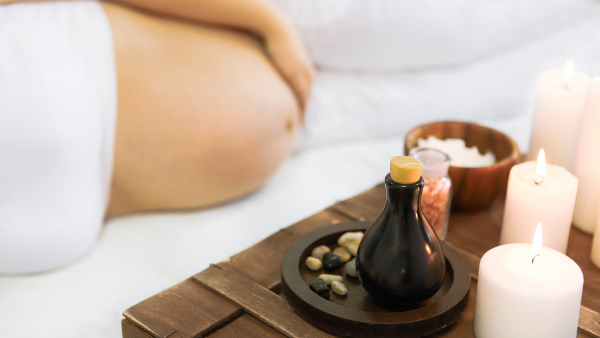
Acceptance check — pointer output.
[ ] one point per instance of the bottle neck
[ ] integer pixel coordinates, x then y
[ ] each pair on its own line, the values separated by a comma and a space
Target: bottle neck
400, 196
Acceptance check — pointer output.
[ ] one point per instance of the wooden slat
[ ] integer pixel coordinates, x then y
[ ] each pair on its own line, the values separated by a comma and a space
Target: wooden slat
474, 232
346, 208
324, 218
364, 206
185, 310
161, 314
129, 330
589, 322
471, 260
262, 261
579, 249
246, 327
258, 301
582, 334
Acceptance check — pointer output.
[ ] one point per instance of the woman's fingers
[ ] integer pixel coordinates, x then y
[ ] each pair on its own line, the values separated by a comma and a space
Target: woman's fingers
302, 84
292, 61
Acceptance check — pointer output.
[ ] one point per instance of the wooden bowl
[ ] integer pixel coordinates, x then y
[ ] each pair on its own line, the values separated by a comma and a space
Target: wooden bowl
473, 188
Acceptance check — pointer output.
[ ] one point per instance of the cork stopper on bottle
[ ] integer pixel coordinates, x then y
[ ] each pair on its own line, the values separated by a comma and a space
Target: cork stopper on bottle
405, 169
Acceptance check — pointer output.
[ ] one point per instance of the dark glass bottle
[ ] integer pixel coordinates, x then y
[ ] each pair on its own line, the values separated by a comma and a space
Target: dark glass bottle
400, 260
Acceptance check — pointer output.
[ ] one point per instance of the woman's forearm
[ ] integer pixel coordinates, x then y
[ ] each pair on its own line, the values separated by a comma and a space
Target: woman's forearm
254, 16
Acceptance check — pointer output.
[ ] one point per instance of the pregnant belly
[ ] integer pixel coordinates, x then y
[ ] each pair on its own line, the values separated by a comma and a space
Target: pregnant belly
203, 117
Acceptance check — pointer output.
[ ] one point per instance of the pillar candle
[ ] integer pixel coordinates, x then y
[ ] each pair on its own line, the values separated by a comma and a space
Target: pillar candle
518, 297
587, 162
559, 100
550, 201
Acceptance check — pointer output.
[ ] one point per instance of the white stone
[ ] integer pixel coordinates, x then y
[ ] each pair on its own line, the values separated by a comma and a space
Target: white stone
352, 248
319, 251
331, 278
350, 268
343, 253
339, 288
350, 237
313, 263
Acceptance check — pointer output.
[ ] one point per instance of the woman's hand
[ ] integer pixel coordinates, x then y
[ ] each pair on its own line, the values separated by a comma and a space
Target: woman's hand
287, 52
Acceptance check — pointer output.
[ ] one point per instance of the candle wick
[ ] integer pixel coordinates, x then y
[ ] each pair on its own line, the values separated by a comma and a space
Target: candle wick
540, 179
533, 259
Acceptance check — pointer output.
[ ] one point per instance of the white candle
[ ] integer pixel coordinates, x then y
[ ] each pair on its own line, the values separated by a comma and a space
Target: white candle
560, 97
518, 297
587, 162
550, 200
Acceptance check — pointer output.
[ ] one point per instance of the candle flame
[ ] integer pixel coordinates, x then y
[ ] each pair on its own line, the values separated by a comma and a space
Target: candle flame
541, 167
568, 71
536, 248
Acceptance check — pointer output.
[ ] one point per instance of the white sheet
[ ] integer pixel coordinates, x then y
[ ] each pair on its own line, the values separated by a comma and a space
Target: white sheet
400, 35
139, 256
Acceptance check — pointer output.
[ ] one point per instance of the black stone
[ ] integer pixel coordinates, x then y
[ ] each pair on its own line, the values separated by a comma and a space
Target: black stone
319, 286
331, 261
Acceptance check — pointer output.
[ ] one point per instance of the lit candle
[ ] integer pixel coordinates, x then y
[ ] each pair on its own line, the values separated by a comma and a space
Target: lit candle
587, 162
539, 192
560, 97
525, 290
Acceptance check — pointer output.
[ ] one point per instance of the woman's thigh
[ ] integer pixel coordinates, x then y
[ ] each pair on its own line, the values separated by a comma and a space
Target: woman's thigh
203, 117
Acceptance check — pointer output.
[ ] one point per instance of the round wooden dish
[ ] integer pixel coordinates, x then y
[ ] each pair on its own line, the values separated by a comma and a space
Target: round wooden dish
356, 314
473, 188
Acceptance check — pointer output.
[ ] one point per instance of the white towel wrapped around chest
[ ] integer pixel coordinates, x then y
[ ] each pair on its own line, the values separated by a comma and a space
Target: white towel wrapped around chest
57, 123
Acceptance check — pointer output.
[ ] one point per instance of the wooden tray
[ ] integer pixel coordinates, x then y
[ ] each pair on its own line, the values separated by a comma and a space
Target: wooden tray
357, 314
241, 298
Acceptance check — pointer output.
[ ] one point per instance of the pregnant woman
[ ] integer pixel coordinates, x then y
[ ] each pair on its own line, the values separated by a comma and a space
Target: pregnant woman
110, 108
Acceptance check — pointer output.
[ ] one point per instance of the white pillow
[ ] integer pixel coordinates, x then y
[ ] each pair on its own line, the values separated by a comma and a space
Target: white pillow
378, 35
358, 105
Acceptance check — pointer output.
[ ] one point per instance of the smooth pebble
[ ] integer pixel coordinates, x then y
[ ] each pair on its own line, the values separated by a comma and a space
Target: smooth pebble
352, 248
343, 253
331, 278
350, 268
331, 261
319, 251
319, 286
313, 263
339, 288
349, 237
